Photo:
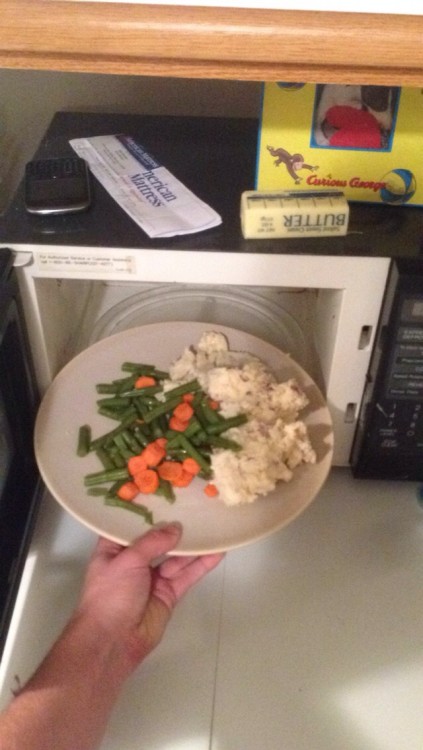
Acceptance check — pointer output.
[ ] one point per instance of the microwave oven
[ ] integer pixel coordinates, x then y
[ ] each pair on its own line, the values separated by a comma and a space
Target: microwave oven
348, 309
20, 486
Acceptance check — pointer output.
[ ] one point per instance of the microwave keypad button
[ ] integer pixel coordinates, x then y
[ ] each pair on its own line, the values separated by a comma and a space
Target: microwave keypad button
399, 425
404, 378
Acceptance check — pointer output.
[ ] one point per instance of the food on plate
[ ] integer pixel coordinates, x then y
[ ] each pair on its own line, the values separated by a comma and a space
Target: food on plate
273, 440
218, 414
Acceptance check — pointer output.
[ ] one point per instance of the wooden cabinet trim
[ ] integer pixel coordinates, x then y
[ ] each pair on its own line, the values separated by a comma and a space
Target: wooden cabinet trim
200, 42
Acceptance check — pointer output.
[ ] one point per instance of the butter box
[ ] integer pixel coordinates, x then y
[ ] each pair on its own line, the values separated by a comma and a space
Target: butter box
296, 213
362, 140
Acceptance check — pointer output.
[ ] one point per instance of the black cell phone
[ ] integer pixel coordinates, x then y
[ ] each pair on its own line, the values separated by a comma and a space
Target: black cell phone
57, 186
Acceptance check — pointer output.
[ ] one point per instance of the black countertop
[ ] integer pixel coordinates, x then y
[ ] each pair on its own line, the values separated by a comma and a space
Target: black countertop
216, 159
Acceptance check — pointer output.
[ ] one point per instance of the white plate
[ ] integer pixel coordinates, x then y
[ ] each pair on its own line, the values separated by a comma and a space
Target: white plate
208, 524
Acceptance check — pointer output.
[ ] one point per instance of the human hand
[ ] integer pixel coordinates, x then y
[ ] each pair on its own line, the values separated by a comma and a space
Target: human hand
130, 599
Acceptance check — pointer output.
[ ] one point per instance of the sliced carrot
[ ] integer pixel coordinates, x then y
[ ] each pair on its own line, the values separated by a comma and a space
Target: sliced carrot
136, 464
147, 481
162, 441
177, 424
213, 404
144, 381
188, 397
128, 491
170, 470
191, 466
153, 453
184, 480
211, 490
183, 411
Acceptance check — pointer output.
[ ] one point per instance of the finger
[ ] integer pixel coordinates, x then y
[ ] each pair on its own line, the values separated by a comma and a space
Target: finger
105, 549
187, 576
153, 544
172, 566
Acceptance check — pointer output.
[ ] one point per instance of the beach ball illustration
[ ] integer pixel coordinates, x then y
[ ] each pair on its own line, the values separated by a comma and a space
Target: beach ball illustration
400, 186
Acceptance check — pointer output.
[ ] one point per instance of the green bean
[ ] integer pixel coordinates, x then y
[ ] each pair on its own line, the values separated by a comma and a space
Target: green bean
114, 488
194, 453
144, 416
193, 428
105, 458
140, 407
138, 367
156, 428
125, 384
180, 390
149, 390
116, 386
172, 437
199, 416
114, 402
84, 440
112, 413
161, 374
130, 412
162, 408
165, 490
121, 444
118, 460
134, 507
222, 442
143, 369
107, 388
108, 436
131, 441
108, 475
141, 436
226, 424
178, 454
200, 438
163, 422
206, 414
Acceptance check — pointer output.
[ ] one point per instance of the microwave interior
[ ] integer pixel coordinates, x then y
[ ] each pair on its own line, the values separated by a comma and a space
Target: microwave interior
328, 330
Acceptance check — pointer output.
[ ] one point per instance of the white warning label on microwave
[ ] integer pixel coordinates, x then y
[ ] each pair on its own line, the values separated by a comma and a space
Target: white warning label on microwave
87, 263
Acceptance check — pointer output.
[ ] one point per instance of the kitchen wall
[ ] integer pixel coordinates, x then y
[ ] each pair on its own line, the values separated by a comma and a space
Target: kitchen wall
28, 99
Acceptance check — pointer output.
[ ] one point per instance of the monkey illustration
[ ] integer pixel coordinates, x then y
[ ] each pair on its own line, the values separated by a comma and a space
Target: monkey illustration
293, 162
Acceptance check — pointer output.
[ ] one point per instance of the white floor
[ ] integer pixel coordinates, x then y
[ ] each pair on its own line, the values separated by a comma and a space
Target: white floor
309, 640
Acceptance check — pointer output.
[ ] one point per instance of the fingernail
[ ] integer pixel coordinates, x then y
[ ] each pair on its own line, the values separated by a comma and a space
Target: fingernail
175, 526
169, 526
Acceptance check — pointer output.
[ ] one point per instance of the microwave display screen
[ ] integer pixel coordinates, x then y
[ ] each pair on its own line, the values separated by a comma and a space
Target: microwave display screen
404, 378
413, 310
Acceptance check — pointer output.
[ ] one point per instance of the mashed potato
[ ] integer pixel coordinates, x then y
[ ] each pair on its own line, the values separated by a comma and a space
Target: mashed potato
274, 441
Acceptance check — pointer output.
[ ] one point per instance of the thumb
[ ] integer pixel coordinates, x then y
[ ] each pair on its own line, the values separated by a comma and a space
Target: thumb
154, 543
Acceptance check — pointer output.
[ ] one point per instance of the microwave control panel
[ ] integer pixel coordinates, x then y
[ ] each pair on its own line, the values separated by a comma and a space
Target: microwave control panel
389, 440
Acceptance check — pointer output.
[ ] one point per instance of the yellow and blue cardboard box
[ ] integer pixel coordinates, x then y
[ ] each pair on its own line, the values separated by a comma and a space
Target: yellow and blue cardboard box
363, 140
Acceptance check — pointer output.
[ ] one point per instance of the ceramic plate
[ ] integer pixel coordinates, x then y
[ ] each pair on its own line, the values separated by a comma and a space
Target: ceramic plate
208, 524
